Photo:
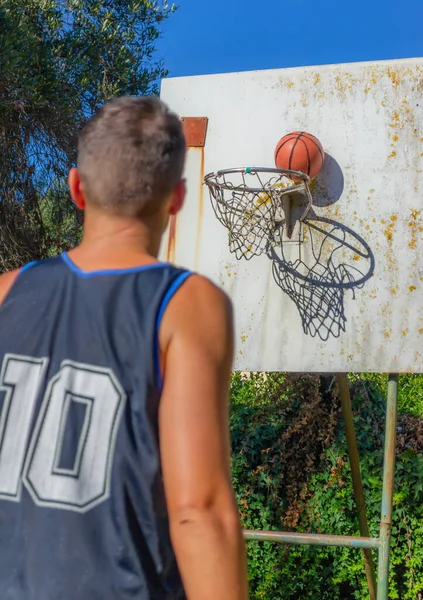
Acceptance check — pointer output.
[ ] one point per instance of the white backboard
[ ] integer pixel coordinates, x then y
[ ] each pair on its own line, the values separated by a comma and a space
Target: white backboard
369, 118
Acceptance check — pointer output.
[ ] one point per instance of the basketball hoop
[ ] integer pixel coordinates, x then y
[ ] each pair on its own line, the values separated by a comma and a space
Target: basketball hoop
252, 202
261, 209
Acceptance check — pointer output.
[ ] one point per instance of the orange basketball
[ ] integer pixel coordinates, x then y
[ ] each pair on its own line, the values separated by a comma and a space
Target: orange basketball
300, 151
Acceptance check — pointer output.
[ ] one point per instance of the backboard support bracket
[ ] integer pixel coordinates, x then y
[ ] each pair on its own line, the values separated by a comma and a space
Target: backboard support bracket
195, 131
293, 207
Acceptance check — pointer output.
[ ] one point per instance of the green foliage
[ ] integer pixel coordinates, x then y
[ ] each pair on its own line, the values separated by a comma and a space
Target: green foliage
291, 472
410, 394
62, 226
59, 60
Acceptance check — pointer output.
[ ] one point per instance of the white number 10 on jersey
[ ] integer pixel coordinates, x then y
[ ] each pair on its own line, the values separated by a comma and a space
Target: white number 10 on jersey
34, 460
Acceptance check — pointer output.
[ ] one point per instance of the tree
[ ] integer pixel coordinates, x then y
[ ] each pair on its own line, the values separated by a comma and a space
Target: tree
59, 60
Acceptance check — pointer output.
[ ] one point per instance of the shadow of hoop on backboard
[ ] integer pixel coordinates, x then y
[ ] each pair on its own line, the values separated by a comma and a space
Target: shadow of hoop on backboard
316, 276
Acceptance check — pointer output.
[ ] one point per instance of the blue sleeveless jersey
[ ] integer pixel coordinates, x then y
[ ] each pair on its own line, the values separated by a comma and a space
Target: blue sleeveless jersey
82, 507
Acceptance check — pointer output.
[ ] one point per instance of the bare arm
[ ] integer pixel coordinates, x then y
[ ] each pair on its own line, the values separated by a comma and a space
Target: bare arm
197, 338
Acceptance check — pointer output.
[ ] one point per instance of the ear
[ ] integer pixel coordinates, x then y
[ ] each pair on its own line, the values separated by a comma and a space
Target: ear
178, 197
75, 189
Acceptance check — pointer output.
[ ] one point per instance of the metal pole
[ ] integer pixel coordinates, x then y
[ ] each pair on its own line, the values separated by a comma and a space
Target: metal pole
388, 488
312, 539
369, 565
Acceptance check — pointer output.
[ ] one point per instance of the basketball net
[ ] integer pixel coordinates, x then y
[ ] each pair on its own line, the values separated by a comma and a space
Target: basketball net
250, 202
315, 275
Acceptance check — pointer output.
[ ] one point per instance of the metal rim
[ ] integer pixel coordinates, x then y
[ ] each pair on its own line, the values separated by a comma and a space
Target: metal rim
211, 178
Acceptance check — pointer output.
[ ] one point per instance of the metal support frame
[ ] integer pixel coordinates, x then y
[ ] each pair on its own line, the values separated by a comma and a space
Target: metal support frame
344, 391
364, 541
388, 488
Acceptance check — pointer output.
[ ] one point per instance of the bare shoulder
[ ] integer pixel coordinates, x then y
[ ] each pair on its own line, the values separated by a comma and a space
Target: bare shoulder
6, 282
200, 312
199, 297
201, 288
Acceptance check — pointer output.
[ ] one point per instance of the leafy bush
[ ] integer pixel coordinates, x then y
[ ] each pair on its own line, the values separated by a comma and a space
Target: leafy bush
291, 472
410, 393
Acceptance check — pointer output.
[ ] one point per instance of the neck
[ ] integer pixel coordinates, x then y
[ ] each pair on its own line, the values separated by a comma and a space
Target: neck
118, 241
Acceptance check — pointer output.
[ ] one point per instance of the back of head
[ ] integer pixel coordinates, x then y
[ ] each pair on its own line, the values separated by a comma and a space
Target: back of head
131, 156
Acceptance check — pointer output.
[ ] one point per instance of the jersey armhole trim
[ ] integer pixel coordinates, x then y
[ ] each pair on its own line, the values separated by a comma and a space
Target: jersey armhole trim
26, 267
173, 288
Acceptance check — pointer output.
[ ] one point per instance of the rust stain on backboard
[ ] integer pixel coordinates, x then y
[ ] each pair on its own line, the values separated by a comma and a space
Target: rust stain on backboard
171, 240
200, 209
195, 130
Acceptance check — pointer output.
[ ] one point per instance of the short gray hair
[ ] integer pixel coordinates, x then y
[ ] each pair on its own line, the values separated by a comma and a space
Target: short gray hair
131, 155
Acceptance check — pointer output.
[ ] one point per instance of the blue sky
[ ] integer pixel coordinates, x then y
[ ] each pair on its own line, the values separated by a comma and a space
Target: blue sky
233, 35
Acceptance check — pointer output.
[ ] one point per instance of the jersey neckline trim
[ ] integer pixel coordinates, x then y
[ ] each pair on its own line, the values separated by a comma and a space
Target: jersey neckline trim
87, 274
